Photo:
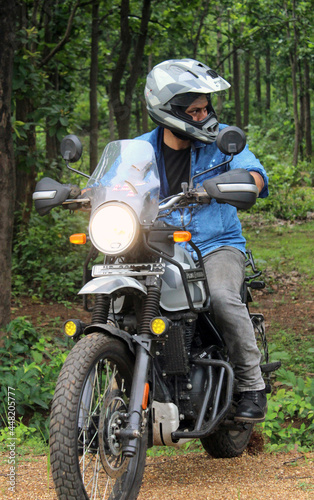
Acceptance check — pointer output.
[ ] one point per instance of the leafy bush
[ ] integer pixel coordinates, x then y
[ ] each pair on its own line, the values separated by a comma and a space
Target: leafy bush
290, 417
22, 433
30, 364
45, 264
286, 202
291, 194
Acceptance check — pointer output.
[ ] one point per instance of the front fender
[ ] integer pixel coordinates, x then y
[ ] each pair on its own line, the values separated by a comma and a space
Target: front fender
111, 284
112, 331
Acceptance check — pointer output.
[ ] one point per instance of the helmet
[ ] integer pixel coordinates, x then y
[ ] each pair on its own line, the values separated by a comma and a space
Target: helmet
172, 86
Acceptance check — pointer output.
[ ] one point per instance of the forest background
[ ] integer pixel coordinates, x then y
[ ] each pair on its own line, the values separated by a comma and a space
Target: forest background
78, 66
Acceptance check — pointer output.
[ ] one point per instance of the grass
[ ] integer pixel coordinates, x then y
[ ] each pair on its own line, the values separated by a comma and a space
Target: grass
282, 247
306, 486
284, 252
194, 446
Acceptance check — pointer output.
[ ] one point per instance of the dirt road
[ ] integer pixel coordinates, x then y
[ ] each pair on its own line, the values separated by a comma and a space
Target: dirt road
193, 476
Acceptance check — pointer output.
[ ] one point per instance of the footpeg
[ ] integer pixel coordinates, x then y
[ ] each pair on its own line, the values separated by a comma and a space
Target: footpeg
270, 367
256, 285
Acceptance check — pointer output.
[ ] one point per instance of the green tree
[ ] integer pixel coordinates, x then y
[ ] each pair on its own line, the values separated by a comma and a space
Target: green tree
40, 91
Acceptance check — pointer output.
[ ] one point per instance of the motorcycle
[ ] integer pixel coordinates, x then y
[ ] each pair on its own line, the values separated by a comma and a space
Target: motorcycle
151, 368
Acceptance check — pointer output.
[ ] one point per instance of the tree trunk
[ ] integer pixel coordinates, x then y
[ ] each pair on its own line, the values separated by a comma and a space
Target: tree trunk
267, 105
307, 110
93, 143
144, 116
302, 116
236, 88
293, 54
230, 62
220, 67
295, 111
52, 141
7, 166
258, 82
25, 170
25, 155
122, 109
200, 22
246, 107
111, 121
51, 31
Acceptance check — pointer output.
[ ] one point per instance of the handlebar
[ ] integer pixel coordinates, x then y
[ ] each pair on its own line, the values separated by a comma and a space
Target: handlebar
197, 195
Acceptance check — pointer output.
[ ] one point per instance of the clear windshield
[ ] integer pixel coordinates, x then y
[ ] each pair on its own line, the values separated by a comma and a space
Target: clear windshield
127, 172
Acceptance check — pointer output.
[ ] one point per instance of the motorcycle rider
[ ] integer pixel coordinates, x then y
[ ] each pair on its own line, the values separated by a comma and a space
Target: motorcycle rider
178, 100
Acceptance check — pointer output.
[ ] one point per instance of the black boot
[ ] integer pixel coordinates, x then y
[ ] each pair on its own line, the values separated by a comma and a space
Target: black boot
252, 407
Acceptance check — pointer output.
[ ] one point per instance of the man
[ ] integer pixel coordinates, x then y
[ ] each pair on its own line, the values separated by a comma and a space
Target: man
177, 95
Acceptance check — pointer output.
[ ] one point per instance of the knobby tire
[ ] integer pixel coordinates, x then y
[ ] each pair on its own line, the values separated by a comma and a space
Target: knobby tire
226, 443
91, 395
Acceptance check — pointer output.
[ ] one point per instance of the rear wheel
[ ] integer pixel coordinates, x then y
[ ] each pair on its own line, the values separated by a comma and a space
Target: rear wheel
226, 443
90, 401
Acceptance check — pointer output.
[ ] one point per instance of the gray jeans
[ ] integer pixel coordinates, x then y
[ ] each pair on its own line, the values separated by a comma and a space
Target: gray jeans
225, 271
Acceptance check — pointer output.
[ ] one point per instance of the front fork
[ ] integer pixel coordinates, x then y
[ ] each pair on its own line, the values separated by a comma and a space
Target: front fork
131, 434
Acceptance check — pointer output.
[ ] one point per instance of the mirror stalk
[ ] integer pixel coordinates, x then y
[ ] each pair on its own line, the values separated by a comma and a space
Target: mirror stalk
77, 171
210, 169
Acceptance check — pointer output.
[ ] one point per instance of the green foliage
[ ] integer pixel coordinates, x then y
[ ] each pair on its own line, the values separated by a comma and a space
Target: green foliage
45, 264
30, 364
290, 417
291, 194
286, 249
22, 433
294, 350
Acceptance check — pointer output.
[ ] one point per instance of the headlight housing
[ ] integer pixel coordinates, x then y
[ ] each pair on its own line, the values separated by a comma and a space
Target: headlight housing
113, 228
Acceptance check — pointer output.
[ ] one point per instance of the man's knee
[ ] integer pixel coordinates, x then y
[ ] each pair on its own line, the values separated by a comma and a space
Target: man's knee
224, 299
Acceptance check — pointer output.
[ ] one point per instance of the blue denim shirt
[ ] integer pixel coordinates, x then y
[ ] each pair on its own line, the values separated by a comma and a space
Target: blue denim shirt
213, 225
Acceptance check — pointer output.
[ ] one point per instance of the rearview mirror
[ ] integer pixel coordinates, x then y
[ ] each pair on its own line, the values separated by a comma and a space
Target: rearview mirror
71, 148
231, 140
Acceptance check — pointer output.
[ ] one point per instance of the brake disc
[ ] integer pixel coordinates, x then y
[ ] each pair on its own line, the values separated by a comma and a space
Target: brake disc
110, 423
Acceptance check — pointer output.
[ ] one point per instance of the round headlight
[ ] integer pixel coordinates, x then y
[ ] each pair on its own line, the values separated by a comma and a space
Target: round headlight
113, 228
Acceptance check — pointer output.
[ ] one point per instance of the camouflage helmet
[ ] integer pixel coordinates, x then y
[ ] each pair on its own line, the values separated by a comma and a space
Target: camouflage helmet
172, 86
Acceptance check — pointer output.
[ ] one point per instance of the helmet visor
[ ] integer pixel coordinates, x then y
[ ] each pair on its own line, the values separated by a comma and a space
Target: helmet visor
185, 100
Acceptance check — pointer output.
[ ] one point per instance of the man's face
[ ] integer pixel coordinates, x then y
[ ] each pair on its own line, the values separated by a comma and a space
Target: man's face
198, 110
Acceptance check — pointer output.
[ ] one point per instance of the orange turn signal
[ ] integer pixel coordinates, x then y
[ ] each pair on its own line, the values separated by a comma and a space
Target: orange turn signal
78, 239
145, 396
180, 236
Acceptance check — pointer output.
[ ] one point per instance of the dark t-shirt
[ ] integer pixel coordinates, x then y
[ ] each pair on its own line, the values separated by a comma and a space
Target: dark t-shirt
177, 164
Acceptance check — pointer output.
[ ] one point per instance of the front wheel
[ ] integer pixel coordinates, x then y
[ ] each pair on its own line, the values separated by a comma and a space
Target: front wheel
90, 401
226, 443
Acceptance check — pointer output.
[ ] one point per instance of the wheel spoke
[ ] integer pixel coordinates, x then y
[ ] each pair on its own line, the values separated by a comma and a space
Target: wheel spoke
104, 380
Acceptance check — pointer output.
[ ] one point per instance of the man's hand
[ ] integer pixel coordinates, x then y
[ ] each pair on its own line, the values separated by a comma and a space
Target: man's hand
259, 181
